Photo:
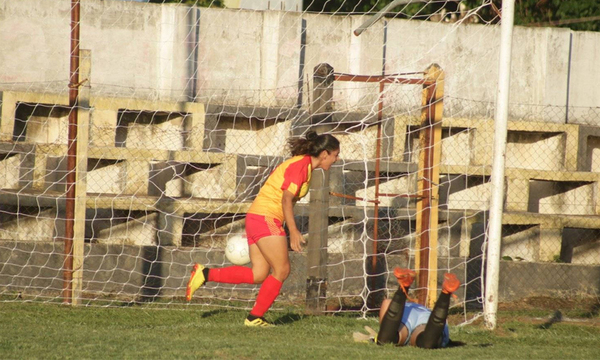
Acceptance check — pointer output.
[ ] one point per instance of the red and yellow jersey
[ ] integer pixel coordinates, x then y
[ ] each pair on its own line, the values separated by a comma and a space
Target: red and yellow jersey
292, 175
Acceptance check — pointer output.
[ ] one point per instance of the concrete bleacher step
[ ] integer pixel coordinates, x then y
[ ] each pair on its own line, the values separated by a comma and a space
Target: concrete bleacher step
169, 161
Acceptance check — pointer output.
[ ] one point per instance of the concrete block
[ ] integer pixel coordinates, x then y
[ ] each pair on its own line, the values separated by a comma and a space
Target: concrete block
587, 253
360, 145
517, 194
580, 246
9, 172
135, 123
29, 224
137, 177
568, 198
270, 141
402, 185
450, 236
345, 237
166, 136
118, 177
472, 237
137, 231
550, 243
45, 129
535, 150
588, 155
41, 129
214, 182
456, 143
520, 242
103, 124
464, 192
106, 177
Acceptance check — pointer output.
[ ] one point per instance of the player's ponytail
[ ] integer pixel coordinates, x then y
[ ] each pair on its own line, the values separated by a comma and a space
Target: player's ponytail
313, 144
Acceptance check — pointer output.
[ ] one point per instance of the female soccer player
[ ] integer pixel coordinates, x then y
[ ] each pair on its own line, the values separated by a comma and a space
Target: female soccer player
267, 241
407, 323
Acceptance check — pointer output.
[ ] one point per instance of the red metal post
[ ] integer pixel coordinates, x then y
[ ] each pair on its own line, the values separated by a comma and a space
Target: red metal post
375, 251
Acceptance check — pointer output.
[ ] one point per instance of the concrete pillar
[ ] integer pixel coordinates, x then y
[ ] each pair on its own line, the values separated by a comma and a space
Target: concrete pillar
137, 177
103, 127
517, 194
8, 106
169, 224
193, 126
550, 243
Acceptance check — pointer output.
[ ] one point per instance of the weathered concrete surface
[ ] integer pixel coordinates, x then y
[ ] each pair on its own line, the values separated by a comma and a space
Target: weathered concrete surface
255, 58
149, 272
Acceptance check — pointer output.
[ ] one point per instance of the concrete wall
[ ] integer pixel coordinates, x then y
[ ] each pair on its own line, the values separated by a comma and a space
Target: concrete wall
246, 57
143, 273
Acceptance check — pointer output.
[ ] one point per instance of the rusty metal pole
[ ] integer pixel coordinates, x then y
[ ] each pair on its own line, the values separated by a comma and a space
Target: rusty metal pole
71, 154
375, 256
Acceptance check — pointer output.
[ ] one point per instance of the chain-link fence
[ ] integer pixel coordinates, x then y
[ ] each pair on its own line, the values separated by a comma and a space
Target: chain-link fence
169, 160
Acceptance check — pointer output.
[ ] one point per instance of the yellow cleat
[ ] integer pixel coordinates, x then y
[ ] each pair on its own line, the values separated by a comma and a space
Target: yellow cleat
196, 280
260, 321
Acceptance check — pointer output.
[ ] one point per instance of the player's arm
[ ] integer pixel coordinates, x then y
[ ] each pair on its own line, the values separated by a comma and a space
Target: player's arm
287, 202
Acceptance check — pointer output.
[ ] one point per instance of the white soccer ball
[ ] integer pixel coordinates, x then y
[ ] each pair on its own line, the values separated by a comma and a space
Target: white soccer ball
237, 251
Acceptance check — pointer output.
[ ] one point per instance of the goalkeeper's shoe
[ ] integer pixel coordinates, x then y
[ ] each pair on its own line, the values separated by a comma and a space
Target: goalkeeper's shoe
257, 321
197, 279
405, 277
450, 284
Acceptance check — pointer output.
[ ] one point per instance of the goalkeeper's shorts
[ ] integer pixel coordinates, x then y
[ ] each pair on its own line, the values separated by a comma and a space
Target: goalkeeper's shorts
259, 226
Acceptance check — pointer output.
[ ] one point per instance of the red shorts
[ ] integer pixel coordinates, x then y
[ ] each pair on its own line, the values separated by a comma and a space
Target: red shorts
259, 226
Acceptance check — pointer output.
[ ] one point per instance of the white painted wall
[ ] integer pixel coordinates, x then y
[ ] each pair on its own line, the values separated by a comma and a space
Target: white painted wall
252, 57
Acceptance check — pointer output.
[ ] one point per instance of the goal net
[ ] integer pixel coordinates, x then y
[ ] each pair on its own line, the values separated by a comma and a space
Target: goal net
184, 108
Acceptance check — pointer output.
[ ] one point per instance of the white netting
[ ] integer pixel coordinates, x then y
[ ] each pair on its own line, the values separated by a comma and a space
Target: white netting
188, 109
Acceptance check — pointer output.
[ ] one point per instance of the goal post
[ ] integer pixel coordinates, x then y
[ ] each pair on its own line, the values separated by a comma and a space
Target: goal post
427, 196
426, 258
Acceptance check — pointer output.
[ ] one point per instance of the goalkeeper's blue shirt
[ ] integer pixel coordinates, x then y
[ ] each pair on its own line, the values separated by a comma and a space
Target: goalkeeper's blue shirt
417, 314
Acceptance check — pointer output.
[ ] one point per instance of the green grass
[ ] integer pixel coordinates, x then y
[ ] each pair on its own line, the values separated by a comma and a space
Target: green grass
46, 331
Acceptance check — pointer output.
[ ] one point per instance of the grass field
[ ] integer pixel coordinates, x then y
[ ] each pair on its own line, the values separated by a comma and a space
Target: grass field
44, 331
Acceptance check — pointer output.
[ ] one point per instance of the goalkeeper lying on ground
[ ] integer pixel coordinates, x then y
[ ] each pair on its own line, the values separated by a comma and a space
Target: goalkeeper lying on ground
407, 323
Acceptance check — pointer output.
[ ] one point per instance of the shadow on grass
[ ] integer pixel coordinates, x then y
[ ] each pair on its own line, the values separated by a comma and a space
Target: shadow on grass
594, 311
557, 317
288, 319
207, 314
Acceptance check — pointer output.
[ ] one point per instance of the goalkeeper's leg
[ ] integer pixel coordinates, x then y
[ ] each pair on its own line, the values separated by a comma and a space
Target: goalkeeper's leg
390, 323
431, 337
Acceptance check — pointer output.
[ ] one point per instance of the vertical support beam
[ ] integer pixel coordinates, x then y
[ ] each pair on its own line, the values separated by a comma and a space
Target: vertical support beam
169, 224
83, 121
316, 260
301, 63
322, 104
428, 185
8, 106
71, 153
194, 126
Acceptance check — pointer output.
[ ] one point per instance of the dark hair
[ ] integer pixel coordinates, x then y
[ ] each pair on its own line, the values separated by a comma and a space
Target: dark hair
313, 144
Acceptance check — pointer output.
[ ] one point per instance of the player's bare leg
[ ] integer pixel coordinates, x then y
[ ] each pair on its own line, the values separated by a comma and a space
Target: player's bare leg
274, 250
431, 337
391, 320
